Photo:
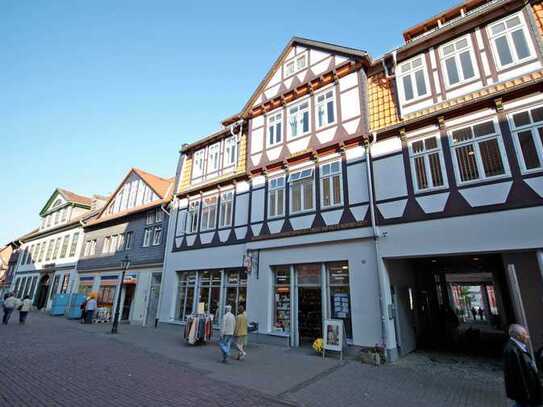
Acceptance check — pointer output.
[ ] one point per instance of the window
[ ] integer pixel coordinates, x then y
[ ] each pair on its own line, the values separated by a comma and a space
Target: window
331, 184
479, 152
427, 165
230, 151
457, 61
36, 253
527, 129
301, 191
86, 252
159, 215
296, 64
213, 158
57, 217
193, 217
64, 214
107, 242
64, 285
275, 133
42, 252
120, 242
339, 294
236, 289
276, 197
225, 217
326, 108
129, 239
147, 237
185, 295
150, 217
198, 164
48, 217
73, 247
23, 256
281, 303
412, 79
157, 236
298, 119
209, 213
510, 41
33, 286
57, 248
64, 249
113, 244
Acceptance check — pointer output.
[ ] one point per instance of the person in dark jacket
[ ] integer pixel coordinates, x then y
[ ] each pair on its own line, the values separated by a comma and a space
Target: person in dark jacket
522, 383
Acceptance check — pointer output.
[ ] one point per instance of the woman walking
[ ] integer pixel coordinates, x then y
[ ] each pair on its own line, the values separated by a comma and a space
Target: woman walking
24, 309
240, 332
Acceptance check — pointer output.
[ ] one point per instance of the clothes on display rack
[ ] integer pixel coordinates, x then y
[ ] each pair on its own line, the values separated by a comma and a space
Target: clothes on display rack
198, 328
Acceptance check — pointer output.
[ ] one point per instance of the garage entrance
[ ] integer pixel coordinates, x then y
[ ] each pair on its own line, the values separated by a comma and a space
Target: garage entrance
458, 304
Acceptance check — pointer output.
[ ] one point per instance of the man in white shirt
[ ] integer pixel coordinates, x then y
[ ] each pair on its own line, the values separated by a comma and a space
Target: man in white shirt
10, 303
227, 331
89, 309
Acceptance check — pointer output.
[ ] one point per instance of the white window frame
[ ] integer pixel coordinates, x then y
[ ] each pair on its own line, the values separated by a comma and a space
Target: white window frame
295, 61
456, 55
427, 168
113, 245
198, 163
129, 239
147, 236
507, 32
206, 211
298, 176
227, 200
273, 119
230, 147
193, 216
107, 242
157, 235
331, 175
299, 118
276, 184
479, 162
159, 215
150, 217
411, 73
213, 158
324, 103
532, 127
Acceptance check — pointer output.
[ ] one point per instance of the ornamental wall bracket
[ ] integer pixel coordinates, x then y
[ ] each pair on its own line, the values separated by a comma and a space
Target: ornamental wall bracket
499, 104
441, 122
402, 134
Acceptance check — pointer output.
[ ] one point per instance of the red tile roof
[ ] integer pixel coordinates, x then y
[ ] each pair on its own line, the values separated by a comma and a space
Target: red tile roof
75, 198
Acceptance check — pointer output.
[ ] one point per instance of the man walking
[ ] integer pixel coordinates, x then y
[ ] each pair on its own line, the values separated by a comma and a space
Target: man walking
90, 308
240, 333
522, 383
10, 304
24, 309
227, 331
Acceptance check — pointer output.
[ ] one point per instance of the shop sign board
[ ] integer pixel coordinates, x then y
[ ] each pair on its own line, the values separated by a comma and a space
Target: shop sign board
334, 336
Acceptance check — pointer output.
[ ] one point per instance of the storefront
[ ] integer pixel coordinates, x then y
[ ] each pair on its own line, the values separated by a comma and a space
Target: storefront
106, 296
213, 288
304, 295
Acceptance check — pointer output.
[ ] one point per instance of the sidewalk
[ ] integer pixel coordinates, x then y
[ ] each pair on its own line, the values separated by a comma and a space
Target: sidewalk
305, 379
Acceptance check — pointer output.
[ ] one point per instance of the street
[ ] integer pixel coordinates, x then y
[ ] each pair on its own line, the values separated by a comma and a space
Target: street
56, 362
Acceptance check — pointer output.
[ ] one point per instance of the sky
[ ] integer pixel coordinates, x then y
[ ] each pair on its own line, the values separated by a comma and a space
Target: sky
89, 89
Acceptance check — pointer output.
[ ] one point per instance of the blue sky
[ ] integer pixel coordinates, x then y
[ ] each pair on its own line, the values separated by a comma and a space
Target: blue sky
89, 89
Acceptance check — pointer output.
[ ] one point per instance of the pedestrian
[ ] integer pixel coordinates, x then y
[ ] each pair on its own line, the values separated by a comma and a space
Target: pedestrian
90, 308
481, 313
227, 331
522, 383
240, 332
10, 303
24, 309
474, 313
83, 307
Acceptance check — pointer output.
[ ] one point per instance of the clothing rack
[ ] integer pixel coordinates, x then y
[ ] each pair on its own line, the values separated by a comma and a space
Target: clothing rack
198, 328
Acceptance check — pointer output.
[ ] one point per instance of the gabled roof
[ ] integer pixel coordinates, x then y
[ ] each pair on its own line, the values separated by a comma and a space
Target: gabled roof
161, 186
337, 49
69, 196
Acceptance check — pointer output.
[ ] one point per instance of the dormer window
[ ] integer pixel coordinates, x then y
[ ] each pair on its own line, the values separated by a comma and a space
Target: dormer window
198, 164
510, 41
412, 79
213, 158
457, 61
230, 151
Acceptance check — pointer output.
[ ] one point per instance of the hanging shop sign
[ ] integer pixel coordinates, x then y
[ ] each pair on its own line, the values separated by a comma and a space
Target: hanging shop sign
250, 261
334, 336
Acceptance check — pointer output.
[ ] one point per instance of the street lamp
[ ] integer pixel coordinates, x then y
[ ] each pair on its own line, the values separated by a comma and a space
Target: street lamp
124, 265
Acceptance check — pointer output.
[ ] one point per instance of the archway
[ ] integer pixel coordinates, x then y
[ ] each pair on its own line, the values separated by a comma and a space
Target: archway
41, 294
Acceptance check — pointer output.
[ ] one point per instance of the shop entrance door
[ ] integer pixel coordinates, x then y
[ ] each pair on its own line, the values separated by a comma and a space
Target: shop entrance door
128, 296
41, 296
154, 294
309, 314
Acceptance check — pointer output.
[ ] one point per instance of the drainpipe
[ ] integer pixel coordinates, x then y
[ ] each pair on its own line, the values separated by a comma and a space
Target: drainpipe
385, 331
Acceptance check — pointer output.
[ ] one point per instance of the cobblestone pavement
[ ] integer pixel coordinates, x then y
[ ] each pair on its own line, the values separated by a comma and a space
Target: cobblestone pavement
55, 362
51, 362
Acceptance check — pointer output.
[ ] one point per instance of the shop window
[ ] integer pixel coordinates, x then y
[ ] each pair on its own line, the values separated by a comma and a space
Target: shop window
209, 291
64, 286
276, 193
225, 218
281, 302
479, 153
54, 288
331, 184
105, 297
185, 294
427, 165
339, 294
236, 289
301, 191
527, 129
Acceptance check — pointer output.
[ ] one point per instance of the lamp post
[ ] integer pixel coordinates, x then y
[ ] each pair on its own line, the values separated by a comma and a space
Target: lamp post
124, 265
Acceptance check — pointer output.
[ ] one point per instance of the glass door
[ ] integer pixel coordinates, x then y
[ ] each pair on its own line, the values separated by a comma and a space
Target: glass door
309, 302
